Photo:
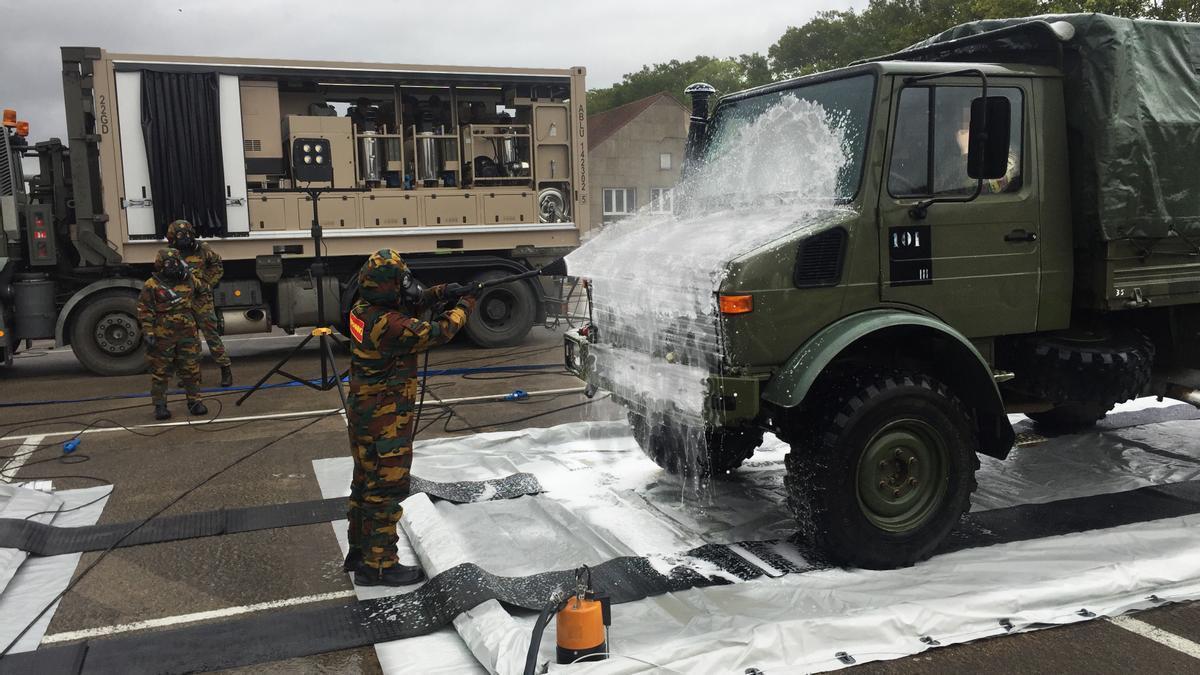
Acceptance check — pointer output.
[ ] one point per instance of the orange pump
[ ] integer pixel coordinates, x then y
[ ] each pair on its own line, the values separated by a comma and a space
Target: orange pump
582, 620
581, 633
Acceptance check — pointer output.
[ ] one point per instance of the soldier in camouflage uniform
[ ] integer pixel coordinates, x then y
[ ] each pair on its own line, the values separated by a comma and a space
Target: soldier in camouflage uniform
386, 337
168, 322
207, 268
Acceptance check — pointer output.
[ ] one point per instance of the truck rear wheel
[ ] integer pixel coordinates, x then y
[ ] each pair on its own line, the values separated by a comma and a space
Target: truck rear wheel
694, 452
1084, 373
882, 469
504, 313
106, 337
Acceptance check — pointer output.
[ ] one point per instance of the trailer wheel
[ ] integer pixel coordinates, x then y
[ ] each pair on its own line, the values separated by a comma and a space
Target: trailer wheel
717, 451
504, 313
881, 468
106, 337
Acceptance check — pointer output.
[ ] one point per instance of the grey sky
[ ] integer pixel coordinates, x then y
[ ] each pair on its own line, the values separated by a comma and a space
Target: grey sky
610, 37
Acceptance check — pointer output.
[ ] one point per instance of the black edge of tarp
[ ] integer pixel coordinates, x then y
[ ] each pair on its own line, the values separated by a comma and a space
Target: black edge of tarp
44, 540
313, 630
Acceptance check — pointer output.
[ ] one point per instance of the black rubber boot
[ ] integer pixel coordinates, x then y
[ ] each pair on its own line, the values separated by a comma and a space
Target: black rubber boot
226, 376
353, 560
396, 575
197, 408
161, 412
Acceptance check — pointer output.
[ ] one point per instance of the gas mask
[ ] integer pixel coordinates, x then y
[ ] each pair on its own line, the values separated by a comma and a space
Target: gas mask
185, 242
410, 289
174, 269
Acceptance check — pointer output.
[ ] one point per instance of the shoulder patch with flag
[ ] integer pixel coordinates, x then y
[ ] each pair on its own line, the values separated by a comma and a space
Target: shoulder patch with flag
356, 327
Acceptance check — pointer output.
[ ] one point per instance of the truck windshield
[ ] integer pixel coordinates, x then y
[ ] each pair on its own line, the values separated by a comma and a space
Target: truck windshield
847, 104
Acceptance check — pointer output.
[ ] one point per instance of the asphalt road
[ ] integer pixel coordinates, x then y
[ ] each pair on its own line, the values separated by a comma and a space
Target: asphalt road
151, 466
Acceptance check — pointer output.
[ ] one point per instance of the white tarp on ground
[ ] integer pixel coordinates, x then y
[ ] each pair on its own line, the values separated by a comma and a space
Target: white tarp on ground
39, 579
604, 499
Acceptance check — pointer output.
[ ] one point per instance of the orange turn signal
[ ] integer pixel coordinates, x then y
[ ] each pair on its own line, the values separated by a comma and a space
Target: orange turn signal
22, 128
736, 304
10, 117
1, 333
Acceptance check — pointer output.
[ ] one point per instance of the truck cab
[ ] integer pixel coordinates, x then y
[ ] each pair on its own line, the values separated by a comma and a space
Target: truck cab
953, 275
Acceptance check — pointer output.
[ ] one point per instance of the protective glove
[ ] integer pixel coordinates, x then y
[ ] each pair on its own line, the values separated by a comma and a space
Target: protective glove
459, 291
467, 303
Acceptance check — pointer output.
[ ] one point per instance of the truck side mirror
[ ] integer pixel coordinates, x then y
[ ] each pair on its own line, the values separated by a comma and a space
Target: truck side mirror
987, 149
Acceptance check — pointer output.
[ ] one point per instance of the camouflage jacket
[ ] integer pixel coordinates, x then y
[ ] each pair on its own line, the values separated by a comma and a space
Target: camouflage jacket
206, 267
385, 343
165, 310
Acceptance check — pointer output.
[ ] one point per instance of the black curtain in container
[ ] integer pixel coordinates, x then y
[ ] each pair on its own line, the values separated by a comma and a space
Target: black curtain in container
181, 122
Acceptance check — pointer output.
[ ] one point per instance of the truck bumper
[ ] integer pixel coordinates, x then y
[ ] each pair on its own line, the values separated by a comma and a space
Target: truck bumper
729, 400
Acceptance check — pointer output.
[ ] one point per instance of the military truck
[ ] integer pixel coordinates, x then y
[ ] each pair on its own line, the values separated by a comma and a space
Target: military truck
1022, 235
473, 173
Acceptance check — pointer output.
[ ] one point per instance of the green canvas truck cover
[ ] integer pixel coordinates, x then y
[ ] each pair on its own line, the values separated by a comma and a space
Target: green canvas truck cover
1132, 92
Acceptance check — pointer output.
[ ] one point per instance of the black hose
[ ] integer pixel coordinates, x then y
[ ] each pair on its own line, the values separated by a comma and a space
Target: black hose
539, 629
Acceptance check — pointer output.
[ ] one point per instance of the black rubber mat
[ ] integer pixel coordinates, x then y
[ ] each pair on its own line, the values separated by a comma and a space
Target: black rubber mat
41, 539
306, 631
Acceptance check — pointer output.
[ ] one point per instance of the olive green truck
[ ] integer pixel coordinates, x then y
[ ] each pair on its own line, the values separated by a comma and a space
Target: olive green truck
1022, 235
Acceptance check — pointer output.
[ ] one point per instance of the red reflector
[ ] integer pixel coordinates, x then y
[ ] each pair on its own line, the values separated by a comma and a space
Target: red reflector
39, 234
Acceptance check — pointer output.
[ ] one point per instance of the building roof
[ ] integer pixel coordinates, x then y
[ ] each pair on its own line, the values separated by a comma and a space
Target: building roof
605, 124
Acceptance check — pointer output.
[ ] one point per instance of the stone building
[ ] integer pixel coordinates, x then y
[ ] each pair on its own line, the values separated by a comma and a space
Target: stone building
635, 153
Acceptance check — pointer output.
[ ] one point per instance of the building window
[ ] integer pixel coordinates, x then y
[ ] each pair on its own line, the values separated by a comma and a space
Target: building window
664, 161
660, 200
619, 201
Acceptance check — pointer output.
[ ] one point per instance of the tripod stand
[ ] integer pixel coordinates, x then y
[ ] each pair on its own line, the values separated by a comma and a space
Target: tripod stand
330, 376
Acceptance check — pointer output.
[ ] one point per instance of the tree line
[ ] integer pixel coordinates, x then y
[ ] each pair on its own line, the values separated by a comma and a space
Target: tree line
832, 39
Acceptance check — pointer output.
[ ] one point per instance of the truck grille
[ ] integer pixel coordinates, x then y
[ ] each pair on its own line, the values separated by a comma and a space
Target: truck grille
252, 145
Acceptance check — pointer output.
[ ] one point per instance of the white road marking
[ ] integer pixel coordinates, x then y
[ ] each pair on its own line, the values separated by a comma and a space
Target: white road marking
269, 416
1162, 637
14, 463
89, 633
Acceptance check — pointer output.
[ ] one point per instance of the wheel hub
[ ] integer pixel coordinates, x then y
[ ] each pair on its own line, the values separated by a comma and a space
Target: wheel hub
901, 475
497, 308
117, 334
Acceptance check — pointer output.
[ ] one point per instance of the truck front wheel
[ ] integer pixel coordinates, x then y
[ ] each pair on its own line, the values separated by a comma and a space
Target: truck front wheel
882, 468
105, 335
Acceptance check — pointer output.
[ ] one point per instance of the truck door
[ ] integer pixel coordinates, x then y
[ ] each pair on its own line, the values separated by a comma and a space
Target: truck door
974, 264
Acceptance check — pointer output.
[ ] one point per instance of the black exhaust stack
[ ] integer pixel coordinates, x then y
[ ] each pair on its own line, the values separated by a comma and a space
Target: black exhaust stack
699, 92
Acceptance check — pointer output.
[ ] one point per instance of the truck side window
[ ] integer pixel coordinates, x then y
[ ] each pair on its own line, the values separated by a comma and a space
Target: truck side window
930, 143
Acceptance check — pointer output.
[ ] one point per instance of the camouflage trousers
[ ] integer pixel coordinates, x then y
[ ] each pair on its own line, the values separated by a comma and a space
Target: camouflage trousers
206, 321
381, 431
180, 355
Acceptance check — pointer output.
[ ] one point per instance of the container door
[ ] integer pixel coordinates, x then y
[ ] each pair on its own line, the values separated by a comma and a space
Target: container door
234, 162
974, 264
139, 209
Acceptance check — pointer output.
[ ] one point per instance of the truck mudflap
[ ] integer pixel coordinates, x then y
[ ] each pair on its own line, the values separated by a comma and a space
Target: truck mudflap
729, 400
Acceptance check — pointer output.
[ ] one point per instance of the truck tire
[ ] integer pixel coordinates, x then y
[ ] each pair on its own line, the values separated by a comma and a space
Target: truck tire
1083, 373
720, 452
881, 469
504, 313
106, 337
